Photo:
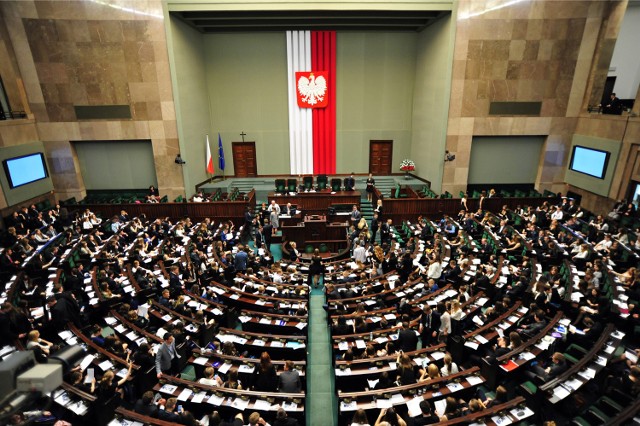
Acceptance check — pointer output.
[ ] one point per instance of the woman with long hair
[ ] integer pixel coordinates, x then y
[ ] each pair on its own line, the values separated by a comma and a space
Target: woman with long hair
266, 379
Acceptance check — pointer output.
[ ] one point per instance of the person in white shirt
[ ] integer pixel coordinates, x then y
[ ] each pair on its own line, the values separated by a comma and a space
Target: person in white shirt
582, 251
449, 367
95, 221
558, 214
360, 253
198, 198
435, 269
605, 244
210, 378
445, 323
86, 224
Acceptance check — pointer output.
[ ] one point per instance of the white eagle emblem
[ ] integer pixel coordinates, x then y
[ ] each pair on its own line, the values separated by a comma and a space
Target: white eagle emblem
312, 89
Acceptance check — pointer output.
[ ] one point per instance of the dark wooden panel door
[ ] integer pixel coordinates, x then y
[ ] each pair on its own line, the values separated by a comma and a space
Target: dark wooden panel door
244, 159
380, 157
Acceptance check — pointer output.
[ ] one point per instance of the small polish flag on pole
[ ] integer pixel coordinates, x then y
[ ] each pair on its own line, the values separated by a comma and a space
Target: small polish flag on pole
209, 158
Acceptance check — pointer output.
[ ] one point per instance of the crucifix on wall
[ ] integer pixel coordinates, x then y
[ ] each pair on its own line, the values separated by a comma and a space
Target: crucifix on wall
244, 158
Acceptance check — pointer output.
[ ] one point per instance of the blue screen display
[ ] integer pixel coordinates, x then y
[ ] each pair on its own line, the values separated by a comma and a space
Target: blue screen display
589, 161
26, 169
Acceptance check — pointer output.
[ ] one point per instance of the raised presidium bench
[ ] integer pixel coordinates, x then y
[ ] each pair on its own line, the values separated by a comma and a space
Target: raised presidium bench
316, 202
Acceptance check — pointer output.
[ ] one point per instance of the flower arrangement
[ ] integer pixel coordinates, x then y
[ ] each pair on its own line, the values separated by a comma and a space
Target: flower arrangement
407, 165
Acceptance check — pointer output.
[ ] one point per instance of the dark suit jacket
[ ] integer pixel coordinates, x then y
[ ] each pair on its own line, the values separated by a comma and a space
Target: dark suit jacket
150, 410
407, 340
168, 416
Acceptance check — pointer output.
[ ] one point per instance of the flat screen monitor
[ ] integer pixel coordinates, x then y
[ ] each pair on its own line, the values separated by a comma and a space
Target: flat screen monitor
25, 169
592, 162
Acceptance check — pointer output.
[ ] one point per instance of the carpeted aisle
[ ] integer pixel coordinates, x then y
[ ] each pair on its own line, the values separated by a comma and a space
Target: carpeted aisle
322, 403
321, 399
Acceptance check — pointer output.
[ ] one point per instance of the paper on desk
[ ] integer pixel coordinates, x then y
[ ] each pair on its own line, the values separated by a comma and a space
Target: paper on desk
63, 399
454, 387
360, 344
215, 400
501, 420
397, 398
276, 344
240, 404
383, 403
224, 368
295, 345
105, 365
559, 393
527, 355
481, 339
185, 394
437, 355
258, 342
343, 346
521, 412
474, 380
289, 406
472, 345
601, 361
167, 388
261, 405
199, 397
574, 384
86, 362
244, 368
588, 374
301, 325
201, 360
351, 406
341, 372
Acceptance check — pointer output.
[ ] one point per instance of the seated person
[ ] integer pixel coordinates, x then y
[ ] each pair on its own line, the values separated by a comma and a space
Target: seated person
146, 406
169, 414
427, 417
557, 366
210, 378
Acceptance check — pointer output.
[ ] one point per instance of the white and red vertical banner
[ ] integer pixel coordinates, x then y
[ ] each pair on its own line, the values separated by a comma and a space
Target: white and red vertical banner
311, 64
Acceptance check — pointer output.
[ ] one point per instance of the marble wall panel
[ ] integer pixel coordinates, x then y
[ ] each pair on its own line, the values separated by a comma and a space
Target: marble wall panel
547, 57
95, 53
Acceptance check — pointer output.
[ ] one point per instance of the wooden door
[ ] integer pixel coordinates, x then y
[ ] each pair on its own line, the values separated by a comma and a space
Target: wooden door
380, 157
244, 159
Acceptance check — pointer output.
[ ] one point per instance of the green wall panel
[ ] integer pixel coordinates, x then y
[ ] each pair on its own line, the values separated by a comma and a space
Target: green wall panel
247, 84
505, 159
192, 102
375, 80
431, 100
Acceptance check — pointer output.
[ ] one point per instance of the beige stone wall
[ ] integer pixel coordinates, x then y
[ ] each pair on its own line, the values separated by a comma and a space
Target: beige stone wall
524, 51
70, 53
96, 53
